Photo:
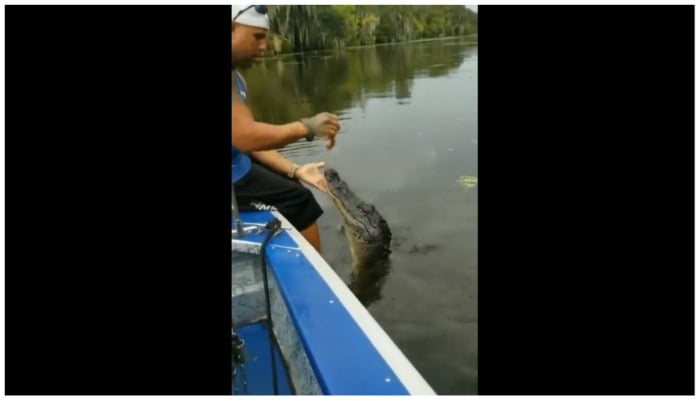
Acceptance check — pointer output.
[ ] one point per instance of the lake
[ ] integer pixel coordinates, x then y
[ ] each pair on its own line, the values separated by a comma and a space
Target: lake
408, 135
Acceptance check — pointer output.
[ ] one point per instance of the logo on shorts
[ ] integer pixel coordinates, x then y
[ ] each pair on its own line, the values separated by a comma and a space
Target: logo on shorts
261, 206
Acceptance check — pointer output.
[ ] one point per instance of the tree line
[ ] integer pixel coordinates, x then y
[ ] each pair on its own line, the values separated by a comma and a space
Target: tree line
320, 27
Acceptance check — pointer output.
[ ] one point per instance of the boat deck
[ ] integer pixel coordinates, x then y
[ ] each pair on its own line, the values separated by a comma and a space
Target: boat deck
328, 339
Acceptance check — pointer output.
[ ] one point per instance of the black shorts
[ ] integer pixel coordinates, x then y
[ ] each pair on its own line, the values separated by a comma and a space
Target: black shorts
262, 188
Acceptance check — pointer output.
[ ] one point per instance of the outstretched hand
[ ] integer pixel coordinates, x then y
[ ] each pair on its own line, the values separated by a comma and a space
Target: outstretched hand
311, 174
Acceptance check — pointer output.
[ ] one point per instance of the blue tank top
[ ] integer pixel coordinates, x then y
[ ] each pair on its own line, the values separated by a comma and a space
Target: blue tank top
240, 162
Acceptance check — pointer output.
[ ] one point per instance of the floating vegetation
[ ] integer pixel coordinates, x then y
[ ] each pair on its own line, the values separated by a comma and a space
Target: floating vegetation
467, 181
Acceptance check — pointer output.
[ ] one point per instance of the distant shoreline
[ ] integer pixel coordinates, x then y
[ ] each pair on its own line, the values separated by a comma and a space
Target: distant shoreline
272, 57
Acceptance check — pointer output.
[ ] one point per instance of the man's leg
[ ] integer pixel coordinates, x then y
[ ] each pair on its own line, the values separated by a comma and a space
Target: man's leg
263, 187
311, 235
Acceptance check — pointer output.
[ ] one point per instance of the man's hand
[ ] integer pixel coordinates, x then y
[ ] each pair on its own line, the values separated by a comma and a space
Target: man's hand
311, 174
323, 125
330, 141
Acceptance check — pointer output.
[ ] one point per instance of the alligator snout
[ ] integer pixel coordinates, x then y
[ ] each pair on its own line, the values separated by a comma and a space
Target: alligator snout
331, 174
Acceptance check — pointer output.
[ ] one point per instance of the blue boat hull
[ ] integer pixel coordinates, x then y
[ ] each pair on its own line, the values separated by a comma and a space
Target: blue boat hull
329, 341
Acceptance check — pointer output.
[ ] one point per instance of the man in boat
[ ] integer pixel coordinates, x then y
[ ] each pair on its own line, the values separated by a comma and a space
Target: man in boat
262, 177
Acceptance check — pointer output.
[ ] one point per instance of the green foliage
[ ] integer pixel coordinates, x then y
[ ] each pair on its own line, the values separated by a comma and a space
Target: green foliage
318, 27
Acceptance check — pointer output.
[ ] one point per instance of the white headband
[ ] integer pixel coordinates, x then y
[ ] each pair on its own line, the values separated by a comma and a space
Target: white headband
250, 17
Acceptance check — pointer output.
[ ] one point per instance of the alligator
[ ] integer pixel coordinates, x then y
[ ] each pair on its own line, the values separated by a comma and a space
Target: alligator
368, 235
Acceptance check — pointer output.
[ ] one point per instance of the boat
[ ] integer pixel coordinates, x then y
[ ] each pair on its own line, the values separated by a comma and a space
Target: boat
324, 341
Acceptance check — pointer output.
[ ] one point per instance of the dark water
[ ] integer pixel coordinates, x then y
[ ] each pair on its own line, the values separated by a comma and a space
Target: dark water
408, 133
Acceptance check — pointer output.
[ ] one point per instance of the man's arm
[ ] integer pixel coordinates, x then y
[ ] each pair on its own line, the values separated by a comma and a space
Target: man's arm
309, 173
274, 160
249, 135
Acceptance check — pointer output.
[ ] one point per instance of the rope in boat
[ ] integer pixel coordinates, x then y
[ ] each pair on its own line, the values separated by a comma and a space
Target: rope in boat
237, 343
272, 227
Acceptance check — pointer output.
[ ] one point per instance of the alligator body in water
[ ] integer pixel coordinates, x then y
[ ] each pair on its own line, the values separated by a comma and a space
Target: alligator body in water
369, 238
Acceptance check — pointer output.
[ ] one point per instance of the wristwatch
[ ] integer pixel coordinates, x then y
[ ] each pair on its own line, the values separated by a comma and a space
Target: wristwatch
310, 136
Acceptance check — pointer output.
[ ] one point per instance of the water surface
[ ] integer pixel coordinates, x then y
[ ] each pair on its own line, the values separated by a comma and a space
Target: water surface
408, 133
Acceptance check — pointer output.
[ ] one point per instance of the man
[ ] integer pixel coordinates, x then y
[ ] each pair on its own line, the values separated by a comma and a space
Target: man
262, 177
